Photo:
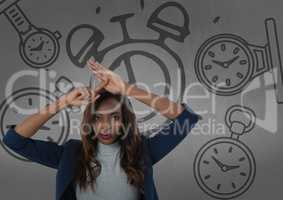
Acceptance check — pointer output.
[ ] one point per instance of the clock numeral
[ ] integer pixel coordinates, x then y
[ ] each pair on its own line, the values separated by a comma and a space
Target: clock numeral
228, 82
214, 78
230, 149
55, 122
223, 47
241, 159
30, 102
218, 186
215, 151
206, 162
15, 111
243, 174
240, 75
49, 139
211, 54
243, 62
236, 50
207, 67
207, 177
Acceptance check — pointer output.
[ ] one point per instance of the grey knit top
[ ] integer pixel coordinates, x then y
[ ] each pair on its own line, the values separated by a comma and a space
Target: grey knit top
111, 184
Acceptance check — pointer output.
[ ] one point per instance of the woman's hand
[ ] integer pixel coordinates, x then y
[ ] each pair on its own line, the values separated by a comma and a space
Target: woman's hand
82, 95
79, 96
113, 82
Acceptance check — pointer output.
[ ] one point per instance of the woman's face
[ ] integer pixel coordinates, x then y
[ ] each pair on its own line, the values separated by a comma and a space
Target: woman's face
108, 121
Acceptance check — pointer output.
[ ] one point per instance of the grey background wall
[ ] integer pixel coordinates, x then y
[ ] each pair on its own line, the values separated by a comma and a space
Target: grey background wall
234, 42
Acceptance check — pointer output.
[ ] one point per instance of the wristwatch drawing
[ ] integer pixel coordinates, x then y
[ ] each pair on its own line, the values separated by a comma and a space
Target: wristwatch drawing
39, 47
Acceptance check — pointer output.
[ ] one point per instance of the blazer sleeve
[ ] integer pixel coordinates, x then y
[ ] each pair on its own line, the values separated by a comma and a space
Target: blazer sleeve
43, 152
172, 134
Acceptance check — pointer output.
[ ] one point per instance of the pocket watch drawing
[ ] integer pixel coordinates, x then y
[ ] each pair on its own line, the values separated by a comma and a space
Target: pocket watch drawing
225, 167
225, 63
39, 47
27, 101
127, 52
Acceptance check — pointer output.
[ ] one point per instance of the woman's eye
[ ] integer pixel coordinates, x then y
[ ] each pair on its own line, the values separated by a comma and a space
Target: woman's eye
96, 118
116, 117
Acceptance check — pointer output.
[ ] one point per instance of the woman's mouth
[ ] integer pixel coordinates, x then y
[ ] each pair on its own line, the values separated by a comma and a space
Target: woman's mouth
105, 136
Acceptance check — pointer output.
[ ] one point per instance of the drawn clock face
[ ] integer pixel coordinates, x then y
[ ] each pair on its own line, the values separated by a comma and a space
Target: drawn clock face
224, 64
40, 49
224, 168
25, 102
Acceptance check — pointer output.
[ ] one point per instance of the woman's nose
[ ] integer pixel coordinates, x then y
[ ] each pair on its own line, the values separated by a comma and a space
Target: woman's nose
105, 125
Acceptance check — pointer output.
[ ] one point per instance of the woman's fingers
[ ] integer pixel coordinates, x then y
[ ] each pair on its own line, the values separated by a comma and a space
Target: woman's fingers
96, 66
99, 70
100, 86
92, 64
101, 75
84, 93
96, 71
94, 96
91, 61
99, 66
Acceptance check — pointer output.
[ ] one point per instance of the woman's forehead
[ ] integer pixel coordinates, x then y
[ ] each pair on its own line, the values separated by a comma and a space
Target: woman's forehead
109, 106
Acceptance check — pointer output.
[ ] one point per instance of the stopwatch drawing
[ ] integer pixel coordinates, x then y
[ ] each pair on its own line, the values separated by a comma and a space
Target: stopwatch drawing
127, 52
27, 101
39, 47
225, 63
225, 167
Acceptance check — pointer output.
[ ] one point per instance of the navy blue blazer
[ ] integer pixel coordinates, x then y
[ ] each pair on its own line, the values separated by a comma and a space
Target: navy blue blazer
62, 157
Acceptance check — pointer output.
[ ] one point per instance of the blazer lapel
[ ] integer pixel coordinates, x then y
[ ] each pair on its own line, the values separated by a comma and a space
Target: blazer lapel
67, 168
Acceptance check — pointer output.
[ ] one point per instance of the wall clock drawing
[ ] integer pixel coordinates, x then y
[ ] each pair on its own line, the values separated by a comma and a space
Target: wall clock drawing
226, 63
39, 47
225, 168
26, 101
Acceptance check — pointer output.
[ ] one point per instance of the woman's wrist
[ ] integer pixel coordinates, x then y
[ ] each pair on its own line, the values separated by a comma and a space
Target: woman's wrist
57, 105
126, 89
62, 102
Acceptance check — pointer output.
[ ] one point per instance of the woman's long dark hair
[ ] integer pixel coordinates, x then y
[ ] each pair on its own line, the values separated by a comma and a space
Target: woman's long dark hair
130, 141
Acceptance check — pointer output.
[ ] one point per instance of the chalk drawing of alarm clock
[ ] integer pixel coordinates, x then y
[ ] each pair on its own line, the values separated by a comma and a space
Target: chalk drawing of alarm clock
39, 47
225, 168
26, 101
225, 63
125, 51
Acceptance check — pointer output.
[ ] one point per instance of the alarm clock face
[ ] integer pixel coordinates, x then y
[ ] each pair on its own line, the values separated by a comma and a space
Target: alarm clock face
40, 49
224, 64
224, 168
25, 102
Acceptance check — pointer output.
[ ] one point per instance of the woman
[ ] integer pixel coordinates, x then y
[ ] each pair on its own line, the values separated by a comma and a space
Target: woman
112, 160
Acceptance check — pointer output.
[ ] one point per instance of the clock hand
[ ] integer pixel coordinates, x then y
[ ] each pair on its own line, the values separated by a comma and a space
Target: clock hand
228, 168
224, 167
221, 64
38, 48
46, 128
229, 62
220, 164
